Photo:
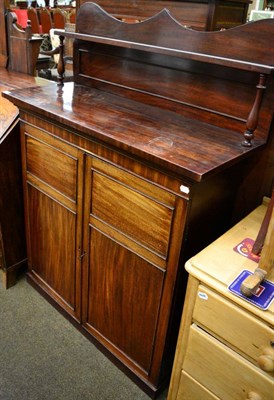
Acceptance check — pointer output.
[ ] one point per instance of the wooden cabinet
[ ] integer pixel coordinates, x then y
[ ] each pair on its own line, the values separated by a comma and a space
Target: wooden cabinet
223, 337
226, 14
102, 242
13, 255
133, 168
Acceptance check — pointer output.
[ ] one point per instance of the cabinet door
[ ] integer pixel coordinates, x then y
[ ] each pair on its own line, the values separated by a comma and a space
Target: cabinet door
132, 238
53, 190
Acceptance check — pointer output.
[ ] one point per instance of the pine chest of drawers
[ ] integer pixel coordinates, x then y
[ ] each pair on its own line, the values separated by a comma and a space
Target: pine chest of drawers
225, 348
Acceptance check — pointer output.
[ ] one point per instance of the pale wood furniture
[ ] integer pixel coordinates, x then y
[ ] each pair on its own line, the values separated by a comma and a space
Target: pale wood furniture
135, 166
225, 346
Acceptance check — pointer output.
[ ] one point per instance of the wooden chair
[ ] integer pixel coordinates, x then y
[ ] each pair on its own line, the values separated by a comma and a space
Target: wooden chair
22, 17
33, 17
46, 21
59, 19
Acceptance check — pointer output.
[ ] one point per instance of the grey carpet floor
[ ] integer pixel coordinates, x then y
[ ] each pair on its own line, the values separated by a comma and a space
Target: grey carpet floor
43, 357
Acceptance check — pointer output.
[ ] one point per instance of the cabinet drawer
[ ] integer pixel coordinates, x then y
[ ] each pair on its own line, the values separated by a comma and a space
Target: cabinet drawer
134, 211
221, 370
50, 164
232, 324
190, 389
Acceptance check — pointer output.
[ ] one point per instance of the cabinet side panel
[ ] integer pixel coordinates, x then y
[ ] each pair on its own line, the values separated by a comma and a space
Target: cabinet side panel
11, 200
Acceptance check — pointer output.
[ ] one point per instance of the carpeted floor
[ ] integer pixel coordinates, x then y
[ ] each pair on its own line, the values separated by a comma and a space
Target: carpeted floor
43, 357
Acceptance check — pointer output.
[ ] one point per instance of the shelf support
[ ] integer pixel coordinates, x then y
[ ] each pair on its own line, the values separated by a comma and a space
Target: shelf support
61, 62
253, 118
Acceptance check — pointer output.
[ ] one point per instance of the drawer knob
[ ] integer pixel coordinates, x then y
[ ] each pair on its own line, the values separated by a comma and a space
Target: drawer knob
266, 360
253, 396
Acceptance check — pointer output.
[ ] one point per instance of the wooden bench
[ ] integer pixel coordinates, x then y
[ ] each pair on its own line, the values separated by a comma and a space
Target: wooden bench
24, 48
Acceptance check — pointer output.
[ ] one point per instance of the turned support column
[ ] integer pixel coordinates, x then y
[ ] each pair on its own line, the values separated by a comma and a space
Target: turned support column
61, 62
253, 118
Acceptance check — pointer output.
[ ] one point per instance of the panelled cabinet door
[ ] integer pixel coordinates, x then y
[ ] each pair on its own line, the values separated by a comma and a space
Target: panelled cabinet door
53, 197
131, 264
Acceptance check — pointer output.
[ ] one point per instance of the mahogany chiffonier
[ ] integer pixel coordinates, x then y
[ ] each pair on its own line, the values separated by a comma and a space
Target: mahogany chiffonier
225, 349
134, 167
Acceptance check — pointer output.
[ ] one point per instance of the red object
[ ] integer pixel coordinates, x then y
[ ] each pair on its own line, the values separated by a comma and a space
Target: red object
22, 17
245, 249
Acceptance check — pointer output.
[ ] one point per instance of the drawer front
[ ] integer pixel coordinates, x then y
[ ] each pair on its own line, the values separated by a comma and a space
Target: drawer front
221, 370
231, 324
51, 164
137, 215
131, 210
60, 174
190, 389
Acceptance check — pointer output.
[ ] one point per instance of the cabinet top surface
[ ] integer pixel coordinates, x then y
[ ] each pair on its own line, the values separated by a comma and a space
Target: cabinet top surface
219, 264
183, 145
9, 113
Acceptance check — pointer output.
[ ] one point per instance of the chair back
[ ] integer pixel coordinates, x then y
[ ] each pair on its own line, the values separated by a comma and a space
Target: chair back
34, 21
59, 19
23, 52
46, 21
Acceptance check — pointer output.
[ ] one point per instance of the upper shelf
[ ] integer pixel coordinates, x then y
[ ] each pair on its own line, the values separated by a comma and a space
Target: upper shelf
162, 34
